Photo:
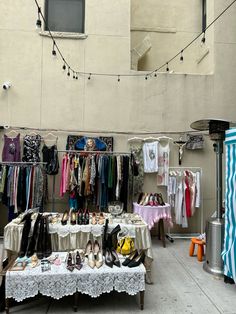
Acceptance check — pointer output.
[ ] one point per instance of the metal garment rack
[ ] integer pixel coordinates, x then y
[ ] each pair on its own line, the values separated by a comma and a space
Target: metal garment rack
170, 236
26, 163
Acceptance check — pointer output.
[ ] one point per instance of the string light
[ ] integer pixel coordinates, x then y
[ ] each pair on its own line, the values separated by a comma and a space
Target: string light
39, 24
53, 49
76, 77
181, 56
89, 77
73, 75
203, 38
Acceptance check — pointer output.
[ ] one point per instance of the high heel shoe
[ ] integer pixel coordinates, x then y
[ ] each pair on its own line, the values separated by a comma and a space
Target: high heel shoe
156, 203
65, 218
70, 265
143, 199
91, 260
108, 258
94, 219
137, 260
88, 248
73, 217
86, 217
146, 200
79, 217
115, 257
99, 259
101, 219
140, 197
160, 199
78, 263
96, 247
130, 258
151, 200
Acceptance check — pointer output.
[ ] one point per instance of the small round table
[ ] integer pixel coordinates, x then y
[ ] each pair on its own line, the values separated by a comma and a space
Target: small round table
155, 214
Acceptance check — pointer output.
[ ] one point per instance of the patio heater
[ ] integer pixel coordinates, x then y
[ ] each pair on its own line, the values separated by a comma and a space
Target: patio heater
215, 226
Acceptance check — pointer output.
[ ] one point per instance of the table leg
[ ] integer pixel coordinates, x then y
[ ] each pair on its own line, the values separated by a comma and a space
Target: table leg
76, 301
141, 300
7, 305
158, 230
162, 231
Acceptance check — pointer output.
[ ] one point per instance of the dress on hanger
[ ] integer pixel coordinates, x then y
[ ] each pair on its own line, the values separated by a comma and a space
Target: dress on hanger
150, 157
32, 148
11, 149
50, 156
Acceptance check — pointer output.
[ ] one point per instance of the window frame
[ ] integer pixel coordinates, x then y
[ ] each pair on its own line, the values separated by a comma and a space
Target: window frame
46, 29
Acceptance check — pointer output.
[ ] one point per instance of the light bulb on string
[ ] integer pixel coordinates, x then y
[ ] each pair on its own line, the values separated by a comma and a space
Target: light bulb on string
155, 74
38, 22
73, 75
89, 77
53, 49
76, 76
181, 57
118, 79
68, 72
146, 77
167, 67
203, 39
64, 66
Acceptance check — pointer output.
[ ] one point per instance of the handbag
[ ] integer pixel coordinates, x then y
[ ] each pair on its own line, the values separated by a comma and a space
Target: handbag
125, 246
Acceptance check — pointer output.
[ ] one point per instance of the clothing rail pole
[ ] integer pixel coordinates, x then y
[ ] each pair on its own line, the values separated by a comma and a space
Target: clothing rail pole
93, 152
21, 163
53, 193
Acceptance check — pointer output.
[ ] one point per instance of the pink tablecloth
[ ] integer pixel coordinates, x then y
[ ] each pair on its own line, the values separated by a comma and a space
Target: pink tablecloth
152, 214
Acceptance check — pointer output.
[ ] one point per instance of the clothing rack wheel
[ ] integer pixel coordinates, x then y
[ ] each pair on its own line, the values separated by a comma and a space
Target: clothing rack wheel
76, 294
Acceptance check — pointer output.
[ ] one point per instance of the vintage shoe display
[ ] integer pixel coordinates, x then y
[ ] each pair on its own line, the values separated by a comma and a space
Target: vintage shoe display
137, 260
65, 218
133, 255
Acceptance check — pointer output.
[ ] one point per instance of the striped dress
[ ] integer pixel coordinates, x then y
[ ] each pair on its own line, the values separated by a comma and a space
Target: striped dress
229, 252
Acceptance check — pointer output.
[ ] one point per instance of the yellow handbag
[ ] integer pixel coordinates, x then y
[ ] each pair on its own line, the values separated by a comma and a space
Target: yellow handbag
125, 246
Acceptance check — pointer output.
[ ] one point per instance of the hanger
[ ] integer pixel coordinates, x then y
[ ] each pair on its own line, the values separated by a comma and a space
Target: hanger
133, 139
32, 133
12, 131
55, 138
150, 138
165, 138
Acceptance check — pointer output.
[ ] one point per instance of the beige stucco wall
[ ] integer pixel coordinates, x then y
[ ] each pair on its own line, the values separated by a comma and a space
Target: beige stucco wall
42, 96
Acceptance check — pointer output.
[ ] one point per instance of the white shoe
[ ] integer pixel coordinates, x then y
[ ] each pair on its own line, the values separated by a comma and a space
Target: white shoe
99, 259
91, 260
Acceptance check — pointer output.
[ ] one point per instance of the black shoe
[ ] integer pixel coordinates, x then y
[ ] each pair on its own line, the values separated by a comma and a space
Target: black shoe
115, 257
130, 258
78, 262
137, 260
108, 258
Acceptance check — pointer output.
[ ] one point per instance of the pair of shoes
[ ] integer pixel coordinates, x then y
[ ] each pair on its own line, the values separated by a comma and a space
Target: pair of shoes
95, 259
111, 258
97, 219
160, 199
92, 247
83, 217
134, 259
74, 261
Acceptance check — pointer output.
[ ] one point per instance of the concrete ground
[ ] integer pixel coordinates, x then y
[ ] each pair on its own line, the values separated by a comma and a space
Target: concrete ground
180, 285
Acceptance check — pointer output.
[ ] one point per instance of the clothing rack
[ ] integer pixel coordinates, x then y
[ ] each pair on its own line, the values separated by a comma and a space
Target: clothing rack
93, 152
27, 163
170, 236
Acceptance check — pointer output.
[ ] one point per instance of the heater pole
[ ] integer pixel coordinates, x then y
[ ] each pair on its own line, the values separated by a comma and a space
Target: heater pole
218, 148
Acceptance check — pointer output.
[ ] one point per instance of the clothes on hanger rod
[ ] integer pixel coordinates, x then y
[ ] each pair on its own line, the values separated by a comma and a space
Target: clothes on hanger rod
184, 193
95, 179
22, 187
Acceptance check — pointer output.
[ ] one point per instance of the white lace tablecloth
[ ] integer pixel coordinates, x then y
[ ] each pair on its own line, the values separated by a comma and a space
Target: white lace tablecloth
152, 214
69, 237
59, 282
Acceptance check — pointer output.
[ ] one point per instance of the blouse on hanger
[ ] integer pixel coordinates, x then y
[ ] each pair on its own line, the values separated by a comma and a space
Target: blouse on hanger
11, 149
